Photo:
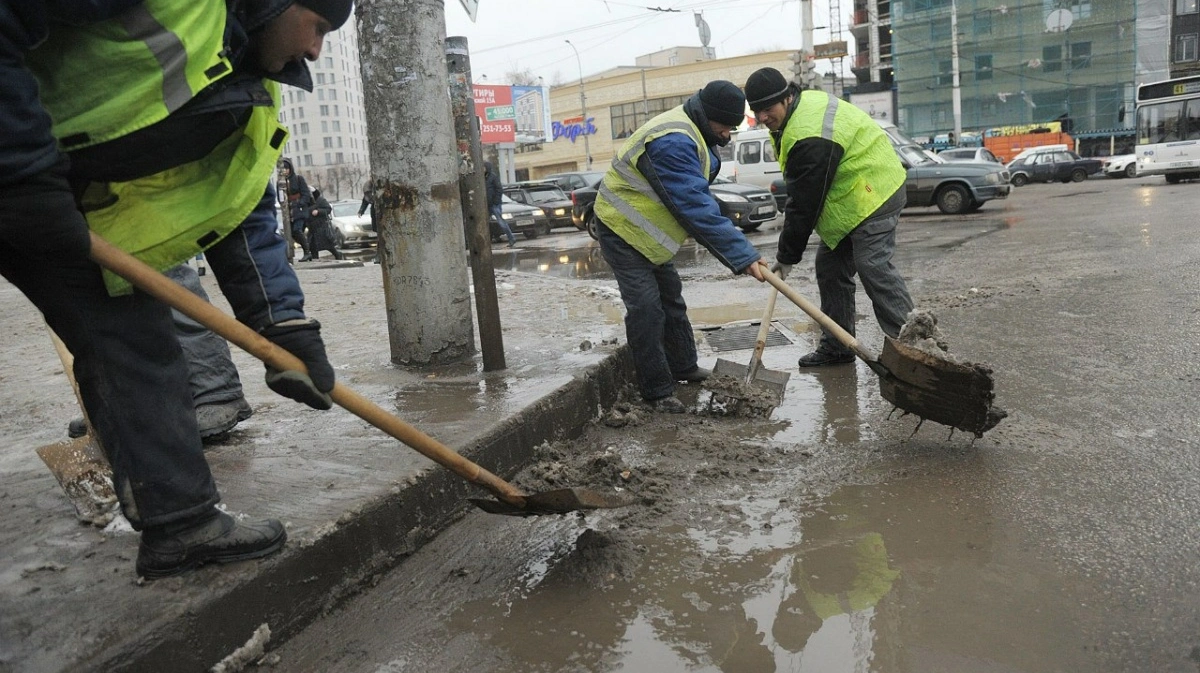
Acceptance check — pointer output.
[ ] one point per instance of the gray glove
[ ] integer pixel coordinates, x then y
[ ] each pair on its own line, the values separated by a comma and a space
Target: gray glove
781, 270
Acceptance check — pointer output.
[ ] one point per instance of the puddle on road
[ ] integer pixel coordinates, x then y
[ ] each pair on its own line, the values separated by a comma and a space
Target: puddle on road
914, 575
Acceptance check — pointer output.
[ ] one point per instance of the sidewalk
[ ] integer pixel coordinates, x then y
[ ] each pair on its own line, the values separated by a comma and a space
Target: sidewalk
354, 500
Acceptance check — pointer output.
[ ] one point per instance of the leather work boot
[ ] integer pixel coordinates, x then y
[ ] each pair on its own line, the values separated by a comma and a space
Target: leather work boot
820, 358
697, 375
216, 420
669, 405
168, 550
77, 428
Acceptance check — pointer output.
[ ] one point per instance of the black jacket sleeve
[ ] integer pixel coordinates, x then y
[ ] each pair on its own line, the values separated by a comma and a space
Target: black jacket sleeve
811, 167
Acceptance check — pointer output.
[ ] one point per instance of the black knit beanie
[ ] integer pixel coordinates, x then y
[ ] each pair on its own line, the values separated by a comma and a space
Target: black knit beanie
723, 102
334, 11
766, 87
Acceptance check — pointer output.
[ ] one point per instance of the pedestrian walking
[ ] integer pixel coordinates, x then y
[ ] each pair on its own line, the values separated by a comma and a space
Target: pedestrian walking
846, 182
300, 202
321, 232
652, 199
495, 199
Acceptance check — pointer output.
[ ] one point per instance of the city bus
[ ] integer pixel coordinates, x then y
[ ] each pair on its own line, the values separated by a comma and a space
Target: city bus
1168, 129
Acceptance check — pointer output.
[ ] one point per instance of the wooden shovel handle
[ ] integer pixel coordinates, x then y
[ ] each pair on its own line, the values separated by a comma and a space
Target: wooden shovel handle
174, 295
823, 320
760, 344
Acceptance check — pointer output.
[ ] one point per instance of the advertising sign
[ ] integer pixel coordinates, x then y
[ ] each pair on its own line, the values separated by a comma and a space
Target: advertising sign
830, 49
494, 108
877, 104
531, 109
574, 128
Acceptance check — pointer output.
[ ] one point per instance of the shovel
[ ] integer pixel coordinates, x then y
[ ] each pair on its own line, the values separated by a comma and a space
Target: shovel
754, 375
916, 381
512, 501
79, 464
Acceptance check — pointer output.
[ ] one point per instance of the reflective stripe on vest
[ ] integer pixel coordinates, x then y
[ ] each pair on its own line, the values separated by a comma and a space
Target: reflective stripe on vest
105, 80
629, 206
869, 172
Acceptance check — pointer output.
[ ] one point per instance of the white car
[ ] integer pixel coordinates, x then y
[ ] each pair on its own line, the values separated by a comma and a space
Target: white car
969, 154
354, 230
1120, 166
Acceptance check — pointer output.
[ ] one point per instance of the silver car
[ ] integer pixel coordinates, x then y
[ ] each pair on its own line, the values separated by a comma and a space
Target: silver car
353, 230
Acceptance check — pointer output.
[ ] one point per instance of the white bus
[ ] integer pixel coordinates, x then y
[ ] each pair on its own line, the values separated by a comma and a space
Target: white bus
1168, 129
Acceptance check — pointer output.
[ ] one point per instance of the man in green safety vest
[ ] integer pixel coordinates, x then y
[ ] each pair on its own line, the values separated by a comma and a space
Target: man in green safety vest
168, 113
652, 199
844, 181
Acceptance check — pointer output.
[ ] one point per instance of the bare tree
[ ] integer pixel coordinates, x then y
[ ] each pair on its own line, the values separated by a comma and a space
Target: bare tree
522, 77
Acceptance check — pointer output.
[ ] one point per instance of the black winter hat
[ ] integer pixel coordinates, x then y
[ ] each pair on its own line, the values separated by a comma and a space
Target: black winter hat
723, 102
334, 11
766, 87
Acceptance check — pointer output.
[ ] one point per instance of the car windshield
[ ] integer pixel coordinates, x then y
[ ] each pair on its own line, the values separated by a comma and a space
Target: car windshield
349, 209
504, 198
914, 155
544, 195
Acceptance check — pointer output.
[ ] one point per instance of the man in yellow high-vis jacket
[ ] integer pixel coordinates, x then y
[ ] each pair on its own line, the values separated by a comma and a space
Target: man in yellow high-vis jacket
169, 120
846, 182
653, 198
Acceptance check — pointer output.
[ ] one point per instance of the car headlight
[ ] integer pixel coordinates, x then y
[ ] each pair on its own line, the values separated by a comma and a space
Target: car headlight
993, 178
506, 216
730, 198
559, 212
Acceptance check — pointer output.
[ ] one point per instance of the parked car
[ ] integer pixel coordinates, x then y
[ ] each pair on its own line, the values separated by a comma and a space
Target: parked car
353, 230
953, 186
1120, 166
569, 182
747, 206
545, 195
1061, 165
528, 221
969, 154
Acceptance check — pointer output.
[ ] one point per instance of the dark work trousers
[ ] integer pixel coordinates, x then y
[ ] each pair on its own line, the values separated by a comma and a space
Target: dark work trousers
866, 251
131, 371
656, 322
212, 375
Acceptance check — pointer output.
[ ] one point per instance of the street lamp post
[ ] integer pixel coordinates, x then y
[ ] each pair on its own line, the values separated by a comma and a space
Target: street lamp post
587, 149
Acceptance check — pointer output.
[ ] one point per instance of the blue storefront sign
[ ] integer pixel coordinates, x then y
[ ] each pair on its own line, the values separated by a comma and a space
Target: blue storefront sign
573, 128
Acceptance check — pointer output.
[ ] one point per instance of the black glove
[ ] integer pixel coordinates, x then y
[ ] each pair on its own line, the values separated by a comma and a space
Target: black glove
301, 338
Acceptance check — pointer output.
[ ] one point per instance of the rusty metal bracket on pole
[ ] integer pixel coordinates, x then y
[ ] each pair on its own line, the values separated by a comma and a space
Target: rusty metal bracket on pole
474, 203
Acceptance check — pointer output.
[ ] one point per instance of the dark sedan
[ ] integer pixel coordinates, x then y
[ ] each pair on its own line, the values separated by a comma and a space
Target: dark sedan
528, 221
1061, 165
545, 195
748, 206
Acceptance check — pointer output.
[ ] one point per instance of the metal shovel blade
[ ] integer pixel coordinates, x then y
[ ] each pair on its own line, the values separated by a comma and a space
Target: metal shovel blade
83, 472
956, 394
558, 501
769, 381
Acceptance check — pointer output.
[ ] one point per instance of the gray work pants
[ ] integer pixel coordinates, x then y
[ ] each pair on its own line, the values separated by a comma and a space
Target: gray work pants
212, 376
866, 251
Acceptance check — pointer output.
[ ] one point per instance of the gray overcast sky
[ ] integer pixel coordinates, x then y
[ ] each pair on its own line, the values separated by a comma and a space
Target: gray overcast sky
515, 35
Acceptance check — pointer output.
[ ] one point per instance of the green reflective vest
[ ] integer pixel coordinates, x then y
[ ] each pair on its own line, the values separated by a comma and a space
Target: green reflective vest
628, 205
869, 172
104, 80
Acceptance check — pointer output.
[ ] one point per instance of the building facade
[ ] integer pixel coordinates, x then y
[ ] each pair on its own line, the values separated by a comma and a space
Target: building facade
1020, 62
328, 128
620, 101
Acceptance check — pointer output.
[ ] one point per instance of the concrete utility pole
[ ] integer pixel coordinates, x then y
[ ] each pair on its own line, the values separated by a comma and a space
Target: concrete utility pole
414, 169
473, 192
806, 44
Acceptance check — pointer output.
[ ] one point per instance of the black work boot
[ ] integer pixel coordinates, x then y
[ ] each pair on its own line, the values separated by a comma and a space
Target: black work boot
697, 375
172, 549
821, 358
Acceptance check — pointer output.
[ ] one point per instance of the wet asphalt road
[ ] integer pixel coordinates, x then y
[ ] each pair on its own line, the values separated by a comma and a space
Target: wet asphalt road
1064, 540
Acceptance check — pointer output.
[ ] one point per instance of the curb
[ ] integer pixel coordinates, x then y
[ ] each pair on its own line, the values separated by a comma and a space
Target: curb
305, 582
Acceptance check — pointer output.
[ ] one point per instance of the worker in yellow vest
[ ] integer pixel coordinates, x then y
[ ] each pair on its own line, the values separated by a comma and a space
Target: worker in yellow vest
653, 198
168, 112
845, 182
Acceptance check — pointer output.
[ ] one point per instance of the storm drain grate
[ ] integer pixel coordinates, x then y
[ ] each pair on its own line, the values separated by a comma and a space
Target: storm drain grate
739, 337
